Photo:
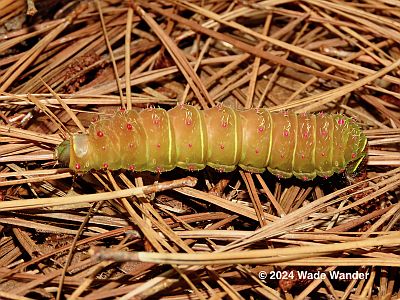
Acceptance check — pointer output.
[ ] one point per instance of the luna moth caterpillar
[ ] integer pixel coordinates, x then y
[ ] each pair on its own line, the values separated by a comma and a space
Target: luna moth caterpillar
303, 145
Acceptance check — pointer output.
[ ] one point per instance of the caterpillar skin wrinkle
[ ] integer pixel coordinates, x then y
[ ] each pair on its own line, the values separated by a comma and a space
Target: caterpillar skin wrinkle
303, 145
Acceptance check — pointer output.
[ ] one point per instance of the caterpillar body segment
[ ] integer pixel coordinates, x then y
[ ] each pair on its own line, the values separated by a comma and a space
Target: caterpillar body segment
303, 145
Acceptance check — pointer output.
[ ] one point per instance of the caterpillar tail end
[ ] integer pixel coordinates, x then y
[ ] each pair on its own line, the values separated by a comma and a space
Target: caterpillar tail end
62, 153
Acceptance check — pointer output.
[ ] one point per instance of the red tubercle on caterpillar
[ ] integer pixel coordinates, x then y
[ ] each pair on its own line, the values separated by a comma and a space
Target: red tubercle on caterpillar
305, 178
131, 167
303, 156
324, 132
100, 133
159, 169
257, 151
353, 155
190, 168
77, 166
222, 146
286, 113
158, 145
305, 135
188, 121
122, 109
130, 145
260, 129
286, 133
341, 122
190, 145
224, 124
322, 154
105, 165
156, 120
129, 126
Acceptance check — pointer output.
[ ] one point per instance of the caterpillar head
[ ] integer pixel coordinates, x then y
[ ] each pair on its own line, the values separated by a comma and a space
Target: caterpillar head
356, 169
358, 163
62, 153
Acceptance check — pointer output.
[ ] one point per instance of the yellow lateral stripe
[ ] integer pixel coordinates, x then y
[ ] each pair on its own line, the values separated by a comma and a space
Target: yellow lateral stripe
169, 139
314, 133
201, 123
296, 129
236, 136
333, 120
270, 138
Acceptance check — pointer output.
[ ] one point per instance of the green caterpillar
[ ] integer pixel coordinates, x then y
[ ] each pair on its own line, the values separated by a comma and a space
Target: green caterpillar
303, 145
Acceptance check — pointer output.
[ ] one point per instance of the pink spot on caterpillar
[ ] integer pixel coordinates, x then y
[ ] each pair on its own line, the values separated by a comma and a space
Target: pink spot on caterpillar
156, 121
257, 151
285, 113
305, 178
353, 155
222, 146
77, 166
322, 154
132, 167
303, 156
326, 177
158, 145
105, 165
100, 133
190, 145
130, 145
122, 109
305, 135
224, 124
129, 126
279, 176
340, 121
285, 133
188, 121
158, 170
260, 129
191, 168
324, 132
321, 113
